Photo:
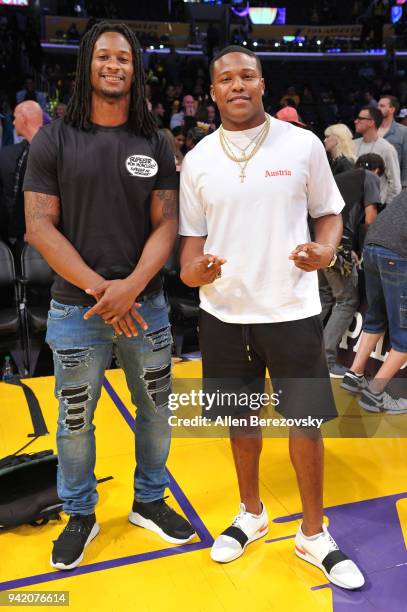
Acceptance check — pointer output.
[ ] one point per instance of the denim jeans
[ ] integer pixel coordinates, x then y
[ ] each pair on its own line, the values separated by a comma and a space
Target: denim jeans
82, 351
339, 293
386, 292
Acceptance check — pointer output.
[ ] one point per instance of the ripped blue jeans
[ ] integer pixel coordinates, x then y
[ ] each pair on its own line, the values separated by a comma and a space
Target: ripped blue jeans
82, 351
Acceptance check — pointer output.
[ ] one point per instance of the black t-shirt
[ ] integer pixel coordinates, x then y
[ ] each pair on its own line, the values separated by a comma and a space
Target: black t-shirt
104, 179
359, 188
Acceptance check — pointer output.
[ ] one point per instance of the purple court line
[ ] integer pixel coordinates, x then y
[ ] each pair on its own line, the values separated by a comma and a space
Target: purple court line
175, 489
279, 539
102, 565
189, 511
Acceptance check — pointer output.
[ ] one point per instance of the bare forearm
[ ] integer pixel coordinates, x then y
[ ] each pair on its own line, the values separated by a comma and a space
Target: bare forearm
63, 258
42, 215
156, 252
328, 230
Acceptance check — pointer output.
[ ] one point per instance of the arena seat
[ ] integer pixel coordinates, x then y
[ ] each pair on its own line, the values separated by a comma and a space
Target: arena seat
11, 340
35, 284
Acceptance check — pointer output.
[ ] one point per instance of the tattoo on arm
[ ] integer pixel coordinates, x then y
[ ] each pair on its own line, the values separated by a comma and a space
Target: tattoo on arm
40, 206
169, 199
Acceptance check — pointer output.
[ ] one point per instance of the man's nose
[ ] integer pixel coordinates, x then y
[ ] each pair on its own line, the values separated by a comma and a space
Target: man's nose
237, 84
113, 64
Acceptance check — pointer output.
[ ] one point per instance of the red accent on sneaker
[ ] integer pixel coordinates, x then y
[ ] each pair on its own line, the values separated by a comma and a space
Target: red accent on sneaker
262, 528
303, 552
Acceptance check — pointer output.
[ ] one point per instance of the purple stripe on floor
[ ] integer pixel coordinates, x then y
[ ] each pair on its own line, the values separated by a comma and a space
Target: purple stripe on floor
175, 489
369, 532
187, 508
97, 567
279, 539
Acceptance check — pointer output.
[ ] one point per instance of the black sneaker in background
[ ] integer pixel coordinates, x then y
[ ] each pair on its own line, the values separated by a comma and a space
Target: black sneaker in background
157, 516
354, 383
69, 547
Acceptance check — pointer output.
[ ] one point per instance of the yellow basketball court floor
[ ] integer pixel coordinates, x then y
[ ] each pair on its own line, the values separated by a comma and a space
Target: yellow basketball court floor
128, 568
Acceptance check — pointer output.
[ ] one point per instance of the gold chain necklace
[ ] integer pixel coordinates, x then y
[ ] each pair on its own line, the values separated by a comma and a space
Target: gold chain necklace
251, 141
244, 160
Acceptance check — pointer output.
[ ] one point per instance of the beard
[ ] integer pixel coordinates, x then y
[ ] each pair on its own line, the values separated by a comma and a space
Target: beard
112, 94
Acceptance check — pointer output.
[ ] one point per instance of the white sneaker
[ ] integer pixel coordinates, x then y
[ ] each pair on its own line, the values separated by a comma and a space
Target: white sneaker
323, 552
244, 529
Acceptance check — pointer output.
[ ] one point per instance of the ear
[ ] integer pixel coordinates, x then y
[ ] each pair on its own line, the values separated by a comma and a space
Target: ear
263, 86
212, 93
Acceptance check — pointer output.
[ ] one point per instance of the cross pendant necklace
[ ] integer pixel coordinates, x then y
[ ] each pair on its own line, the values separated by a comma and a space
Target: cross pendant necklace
242, 175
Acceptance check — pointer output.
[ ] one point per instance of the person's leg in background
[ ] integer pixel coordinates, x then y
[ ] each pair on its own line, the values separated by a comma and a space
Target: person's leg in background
81, 351
386, 288
325, 295
146, 361
346, 300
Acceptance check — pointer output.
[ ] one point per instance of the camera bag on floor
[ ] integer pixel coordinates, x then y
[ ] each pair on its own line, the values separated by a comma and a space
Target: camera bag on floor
28, 481
28, 491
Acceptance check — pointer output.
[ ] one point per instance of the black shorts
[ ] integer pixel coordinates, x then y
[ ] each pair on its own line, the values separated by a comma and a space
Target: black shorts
235, 358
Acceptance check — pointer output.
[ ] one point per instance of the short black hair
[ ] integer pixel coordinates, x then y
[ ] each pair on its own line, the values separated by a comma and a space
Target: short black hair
371, 161
393, 101
375, 114
234, 49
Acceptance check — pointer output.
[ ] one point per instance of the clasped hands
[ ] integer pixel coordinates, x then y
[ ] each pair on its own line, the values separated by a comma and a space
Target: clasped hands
116, 304
116, 299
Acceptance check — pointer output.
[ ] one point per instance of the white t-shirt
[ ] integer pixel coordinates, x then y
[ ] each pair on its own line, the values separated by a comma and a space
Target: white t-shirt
256, 224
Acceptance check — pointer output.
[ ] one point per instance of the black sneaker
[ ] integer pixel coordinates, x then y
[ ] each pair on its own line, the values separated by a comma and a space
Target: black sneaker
69, 547
160, 518
354, 383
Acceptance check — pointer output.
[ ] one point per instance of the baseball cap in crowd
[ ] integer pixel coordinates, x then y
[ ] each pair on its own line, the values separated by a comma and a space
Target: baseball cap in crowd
402, 114
288, 113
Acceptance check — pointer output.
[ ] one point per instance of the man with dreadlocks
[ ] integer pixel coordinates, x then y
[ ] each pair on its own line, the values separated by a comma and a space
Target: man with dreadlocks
101, 207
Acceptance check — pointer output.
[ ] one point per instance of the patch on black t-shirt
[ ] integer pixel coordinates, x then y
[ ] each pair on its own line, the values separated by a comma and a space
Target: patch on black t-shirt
104, 179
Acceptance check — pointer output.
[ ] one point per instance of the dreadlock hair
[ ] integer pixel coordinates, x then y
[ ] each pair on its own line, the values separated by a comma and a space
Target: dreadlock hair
78, 112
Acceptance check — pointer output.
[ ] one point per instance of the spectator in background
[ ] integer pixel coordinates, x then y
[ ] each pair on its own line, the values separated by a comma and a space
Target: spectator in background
385, 266
340, 148
289, 114
178, 156
28, 118
402, 116
290, 94
394, 133
6, 122
60, 110
194, 135
189, 110
212, 118
169, 97
179, 135
369, 100
367, 124
29, 93
158, 114
6, 128
338, 285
